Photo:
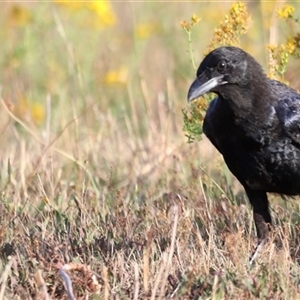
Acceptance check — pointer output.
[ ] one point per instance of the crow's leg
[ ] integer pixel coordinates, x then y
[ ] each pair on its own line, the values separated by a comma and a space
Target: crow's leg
262, 217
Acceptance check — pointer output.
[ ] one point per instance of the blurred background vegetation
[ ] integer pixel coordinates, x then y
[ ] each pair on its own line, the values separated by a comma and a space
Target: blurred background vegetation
62, 60
118, 57
92, 95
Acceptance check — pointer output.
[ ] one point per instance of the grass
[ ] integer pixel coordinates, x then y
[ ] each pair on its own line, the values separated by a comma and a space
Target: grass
98, 183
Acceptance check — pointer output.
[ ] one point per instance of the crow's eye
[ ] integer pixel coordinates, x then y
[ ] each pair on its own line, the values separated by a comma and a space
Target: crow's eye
222, 65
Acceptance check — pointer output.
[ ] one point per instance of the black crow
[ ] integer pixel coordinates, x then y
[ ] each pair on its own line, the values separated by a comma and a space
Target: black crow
254, 122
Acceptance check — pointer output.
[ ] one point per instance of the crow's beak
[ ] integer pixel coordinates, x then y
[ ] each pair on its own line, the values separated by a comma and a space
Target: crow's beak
201, 86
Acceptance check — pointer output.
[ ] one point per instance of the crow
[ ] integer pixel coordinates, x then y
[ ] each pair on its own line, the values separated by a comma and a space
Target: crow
254, 122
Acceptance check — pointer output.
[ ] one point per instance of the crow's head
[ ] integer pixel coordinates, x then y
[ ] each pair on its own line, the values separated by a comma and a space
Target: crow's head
223, 71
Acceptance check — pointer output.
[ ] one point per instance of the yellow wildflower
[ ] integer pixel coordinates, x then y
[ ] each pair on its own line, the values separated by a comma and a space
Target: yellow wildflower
286, 11
118, 76
104, 11
291, 45
70, 5
278, 59
144, 30
26, 109
195, 19
234, 25
38, 112
19, 16
187, 25
101, 10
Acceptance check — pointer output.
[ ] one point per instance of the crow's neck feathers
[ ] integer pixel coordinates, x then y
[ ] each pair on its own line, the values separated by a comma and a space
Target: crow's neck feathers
249, 95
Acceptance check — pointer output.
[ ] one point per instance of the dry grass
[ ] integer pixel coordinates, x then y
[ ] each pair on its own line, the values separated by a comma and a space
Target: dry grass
105, 193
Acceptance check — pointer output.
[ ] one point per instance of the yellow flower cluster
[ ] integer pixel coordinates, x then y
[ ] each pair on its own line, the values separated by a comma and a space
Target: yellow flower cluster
295, 41
280, 54
286, 12
291, 44
104, 11
118, 76
234, 25
187, 25
30, 110
18, 15
101, 9
278, 61
201, 104
144, 30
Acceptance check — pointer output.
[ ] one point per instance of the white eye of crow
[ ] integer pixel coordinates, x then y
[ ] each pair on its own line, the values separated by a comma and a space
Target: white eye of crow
222, 65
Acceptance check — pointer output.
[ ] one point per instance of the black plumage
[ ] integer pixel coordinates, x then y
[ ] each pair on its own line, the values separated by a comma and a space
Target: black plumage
254, 122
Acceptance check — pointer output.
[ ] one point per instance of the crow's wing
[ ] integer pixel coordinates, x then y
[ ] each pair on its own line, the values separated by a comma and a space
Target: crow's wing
288, 112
